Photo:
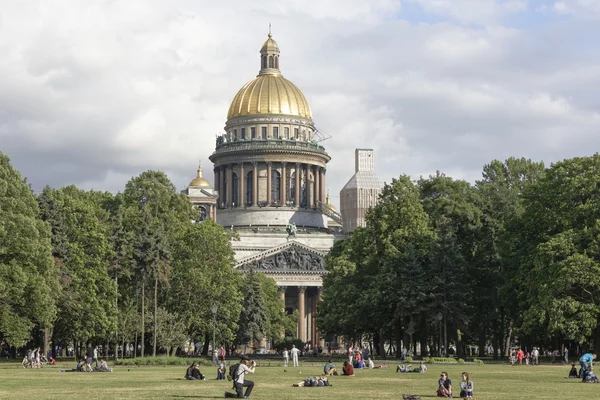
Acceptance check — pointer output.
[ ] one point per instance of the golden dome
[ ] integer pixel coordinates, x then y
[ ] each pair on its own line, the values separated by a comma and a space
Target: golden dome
199, 181
269, 94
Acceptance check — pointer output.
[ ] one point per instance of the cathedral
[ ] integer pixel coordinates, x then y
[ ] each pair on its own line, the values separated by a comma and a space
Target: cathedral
270, 187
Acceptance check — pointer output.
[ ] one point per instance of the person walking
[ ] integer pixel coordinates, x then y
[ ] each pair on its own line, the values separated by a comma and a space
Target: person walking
95, 358
239, 380
286, 357
295, 353
535, 355
222, 355
520, 355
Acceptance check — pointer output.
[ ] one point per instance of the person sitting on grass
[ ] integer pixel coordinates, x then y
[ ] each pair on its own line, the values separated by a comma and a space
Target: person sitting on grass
221, 372
348, 369
573, 372
329, 369
193, 373
313, 381
466, 386
590, 377
103, 367
444, 386
422, 368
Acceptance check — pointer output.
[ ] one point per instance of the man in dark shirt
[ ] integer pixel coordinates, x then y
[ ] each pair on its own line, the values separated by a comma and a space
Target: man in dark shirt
89, 356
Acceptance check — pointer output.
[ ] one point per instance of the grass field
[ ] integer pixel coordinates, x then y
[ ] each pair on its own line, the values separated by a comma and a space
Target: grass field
490, 381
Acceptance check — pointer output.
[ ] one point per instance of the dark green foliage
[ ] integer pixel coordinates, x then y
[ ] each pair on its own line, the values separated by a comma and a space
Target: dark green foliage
253, 318
28, 279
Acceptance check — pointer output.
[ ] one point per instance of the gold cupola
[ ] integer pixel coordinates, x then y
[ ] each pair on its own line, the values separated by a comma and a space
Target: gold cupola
269, 93
199, 181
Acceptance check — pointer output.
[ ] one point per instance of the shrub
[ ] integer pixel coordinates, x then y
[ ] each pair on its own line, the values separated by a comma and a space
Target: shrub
444, 360
162, 360
478, 361
461, 361
409, 359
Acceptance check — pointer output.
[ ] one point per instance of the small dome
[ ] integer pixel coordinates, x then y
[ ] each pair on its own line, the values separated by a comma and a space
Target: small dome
270, 45
199, 181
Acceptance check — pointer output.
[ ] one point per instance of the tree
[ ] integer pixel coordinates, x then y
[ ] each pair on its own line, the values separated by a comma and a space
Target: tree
203, 275
501, 191
253, 318
162, 214
555, 250
454, 209
275, 316
170, 331
28, 277
82, 251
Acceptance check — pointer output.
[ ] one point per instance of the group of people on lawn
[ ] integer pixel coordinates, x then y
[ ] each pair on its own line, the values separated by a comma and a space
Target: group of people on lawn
445, 386
586, 372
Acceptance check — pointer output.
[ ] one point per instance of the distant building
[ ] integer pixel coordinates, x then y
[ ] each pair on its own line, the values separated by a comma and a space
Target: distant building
361, 192
202, 196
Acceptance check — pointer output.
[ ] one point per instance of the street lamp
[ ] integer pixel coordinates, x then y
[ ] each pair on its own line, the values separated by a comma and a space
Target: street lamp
439, 318
214, 309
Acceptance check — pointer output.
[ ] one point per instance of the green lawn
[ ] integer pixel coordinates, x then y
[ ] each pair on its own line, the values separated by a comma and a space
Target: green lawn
491, 382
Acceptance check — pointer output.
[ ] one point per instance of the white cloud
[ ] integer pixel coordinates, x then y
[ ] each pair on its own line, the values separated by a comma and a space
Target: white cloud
94, 93
472, 11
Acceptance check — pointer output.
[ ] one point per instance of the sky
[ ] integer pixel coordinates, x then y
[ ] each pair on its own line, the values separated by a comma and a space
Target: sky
93, 93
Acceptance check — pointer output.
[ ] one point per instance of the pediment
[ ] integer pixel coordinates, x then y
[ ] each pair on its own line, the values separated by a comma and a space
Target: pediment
291, 257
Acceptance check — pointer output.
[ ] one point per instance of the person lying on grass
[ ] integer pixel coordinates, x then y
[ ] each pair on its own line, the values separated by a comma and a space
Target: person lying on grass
313, 381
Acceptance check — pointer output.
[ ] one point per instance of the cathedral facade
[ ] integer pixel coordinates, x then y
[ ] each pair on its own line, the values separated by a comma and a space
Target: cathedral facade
270, 187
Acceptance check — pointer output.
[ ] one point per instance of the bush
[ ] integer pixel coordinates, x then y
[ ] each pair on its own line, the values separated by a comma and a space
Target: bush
461, 361
444, 360
478, 361
162, 360
409, 359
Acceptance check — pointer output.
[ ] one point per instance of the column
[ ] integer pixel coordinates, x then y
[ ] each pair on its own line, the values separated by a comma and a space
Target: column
313, 313
282, 290
222, 186
301, 319
323, 187
320, 299
297, 194
216, 172
283, 187
229, 174
255, 184
242, 179
269, 172
317, 185
307, 200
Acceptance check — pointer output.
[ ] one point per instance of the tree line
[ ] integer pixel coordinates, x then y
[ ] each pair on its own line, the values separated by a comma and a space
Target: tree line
513, 259
118, 269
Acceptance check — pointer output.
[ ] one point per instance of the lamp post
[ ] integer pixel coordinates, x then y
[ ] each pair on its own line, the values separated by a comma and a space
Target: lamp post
439, 318
214, 309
